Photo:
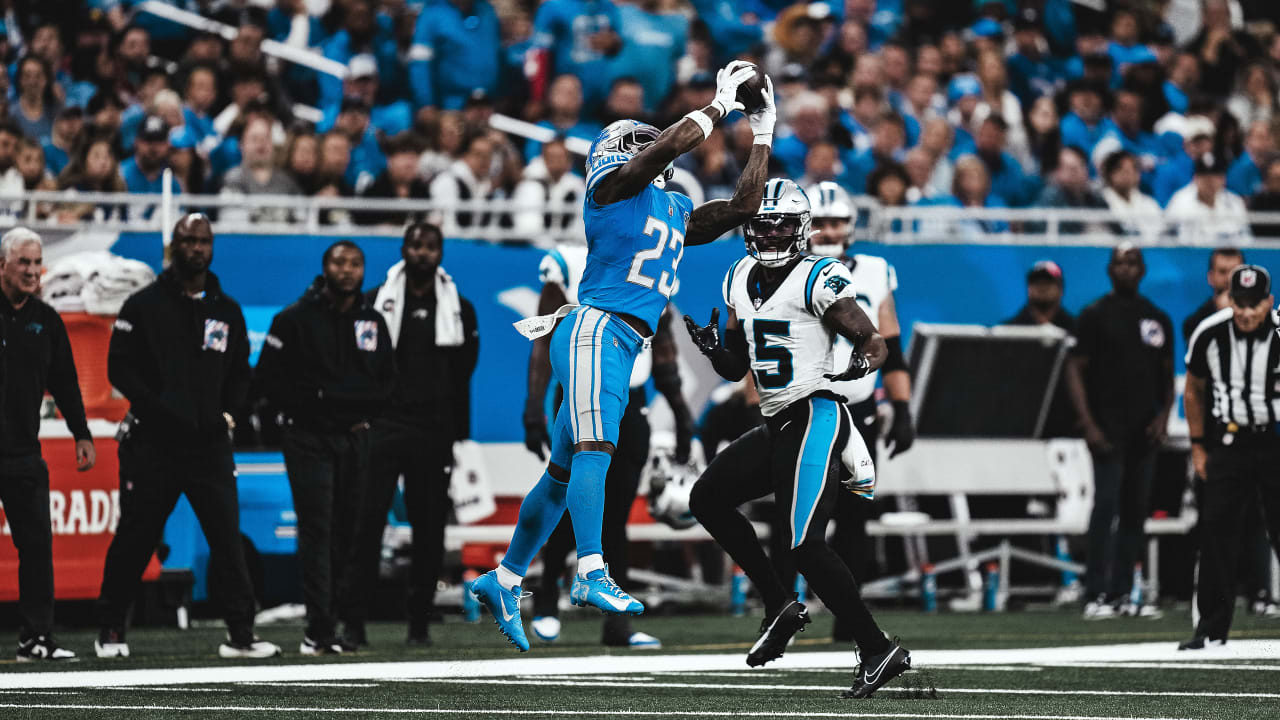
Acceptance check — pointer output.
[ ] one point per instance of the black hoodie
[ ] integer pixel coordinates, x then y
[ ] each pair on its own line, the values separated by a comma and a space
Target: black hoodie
182, 361
327, 370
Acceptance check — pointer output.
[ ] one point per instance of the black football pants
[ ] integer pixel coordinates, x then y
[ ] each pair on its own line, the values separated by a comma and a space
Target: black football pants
24, 492
795, 456
153, 475
1239, 477
424, 456
328, 472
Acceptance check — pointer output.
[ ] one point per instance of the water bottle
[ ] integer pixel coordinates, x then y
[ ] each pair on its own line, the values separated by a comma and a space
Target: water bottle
1062, 552
738, 592
928, 589
470, 605
802, 588
991, 588
1135, 593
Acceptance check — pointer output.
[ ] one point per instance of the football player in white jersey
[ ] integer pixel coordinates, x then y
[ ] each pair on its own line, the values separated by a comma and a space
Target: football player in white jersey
560, 272
875, 282
786, 310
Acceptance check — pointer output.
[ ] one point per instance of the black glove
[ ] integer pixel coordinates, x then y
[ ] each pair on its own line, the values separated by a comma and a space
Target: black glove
706, 338
901, 435
535, 434
859, 366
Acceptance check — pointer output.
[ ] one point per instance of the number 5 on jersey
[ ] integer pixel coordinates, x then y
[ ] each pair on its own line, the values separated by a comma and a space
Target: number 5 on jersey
668, 239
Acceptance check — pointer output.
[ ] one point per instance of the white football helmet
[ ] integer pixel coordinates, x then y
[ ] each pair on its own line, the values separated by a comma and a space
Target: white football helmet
620, 141
669, 486
779, 231
833, 216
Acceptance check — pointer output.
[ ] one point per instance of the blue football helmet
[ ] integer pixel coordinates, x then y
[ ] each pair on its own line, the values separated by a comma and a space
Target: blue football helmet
620, 141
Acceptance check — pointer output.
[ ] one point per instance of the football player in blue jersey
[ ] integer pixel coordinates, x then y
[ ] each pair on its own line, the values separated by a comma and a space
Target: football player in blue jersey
636, 235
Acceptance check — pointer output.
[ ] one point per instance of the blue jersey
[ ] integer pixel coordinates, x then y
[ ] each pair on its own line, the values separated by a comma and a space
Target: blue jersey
634, 248
565, 27
453, 55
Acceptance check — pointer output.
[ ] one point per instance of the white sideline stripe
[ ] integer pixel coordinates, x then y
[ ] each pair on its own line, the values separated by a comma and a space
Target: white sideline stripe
312, 684
560, 713
837, 688
619, 664
1164, 666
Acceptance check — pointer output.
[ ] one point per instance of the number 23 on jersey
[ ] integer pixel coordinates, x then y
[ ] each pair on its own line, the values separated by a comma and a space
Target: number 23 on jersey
669, 239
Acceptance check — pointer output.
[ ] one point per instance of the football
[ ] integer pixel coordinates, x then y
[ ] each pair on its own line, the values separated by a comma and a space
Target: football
749, 91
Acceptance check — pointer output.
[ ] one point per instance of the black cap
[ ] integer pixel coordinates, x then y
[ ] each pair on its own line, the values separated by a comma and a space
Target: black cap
478, 98
1027, 19
154, 129
1250, 285
354, 102
793, 72
1211, 164
1045, 270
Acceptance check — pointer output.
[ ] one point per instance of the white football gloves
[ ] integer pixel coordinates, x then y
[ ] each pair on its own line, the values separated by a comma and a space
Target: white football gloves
727, 81
762, 122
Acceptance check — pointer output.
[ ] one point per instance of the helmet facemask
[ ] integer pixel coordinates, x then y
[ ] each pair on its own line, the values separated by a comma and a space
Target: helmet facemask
775, 239
630, 140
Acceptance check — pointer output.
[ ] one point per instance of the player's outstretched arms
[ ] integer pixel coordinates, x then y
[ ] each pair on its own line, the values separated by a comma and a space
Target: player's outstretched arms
846, 317
713, 219
729, 359
678, 139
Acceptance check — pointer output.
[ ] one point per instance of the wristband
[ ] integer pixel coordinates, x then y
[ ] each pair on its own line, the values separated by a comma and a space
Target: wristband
702, 120
766, 139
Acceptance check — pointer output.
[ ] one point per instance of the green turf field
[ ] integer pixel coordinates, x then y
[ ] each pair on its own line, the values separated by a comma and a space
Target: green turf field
1013, 665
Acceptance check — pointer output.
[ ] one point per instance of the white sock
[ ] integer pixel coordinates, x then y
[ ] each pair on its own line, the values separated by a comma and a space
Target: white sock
588, 564
508, 579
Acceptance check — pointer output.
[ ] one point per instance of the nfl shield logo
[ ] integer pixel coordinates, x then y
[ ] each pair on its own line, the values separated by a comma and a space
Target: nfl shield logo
215, 335
366, 335
1152, 332
1248, 278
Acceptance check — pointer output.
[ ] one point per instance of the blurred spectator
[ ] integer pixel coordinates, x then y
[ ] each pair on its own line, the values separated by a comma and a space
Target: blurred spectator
625, 101
456, 46
302, 159
888, 184
30, 165
919, 167
290, 23
1120, 375
733, 30
936, 141
143, 172
46, 44
1222, 261
807, 116
362, 32
1069, 188
200, 94
1119, 172
1008, 181
154, 80
868, 106
578, 37
921, 101
1256, 98
330, 179
653, 41
10, 179
467, 179
1033, 73
1205, 210
1222, 50
1124, 131
553, 184
1175, 172
188, 166
1044, 300
998, 101
964, 94
717, 170
1124, 48
888, 140
1269, 199
399, 181
104, 110
564, 114
226, 154
257, 175
897, 73
971, 188
1044, 135
367, 160
68, 127
445, 143
1184, 80
92, 168
387, 119
797, 38
36, 105
131, 50
1244, 176
1083, 125
821, 163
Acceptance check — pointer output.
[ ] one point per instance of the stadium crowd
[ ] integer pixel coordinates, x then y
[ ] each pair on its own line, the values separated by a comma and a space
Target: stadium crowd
1147, 107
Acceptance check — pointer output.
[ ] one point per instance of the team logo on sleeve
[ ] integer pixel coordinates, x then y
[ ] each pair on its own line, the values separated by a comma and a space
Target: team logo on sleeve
366, 335
1151, 332
215, 335
836, 284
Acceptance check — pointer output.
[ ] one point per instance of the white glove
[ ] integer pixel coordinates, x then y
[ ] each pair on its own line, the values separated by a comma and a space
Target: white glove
762, 122
727, 81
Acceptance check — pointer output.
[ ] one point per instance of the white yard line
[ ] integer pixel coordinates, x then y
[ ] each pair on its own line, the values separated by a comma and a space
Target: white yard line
1165, 652
559, 713
312, 684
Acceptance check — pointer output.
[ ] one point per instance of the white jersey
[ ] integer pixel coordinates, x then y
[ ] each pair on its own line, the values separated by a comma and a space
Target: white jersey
563, 266
789, 346
874, 280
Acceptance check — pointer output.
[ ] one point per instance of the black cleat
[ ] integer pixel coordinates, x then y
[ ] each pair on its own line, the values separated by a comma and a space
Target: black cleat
1200, 642
775, 634
878, 670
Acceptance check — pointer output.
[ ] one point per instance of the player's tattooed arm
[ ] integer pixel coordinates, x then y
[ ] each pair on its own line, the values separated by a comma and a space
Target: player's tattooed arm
710, 220
846, 317
634, 176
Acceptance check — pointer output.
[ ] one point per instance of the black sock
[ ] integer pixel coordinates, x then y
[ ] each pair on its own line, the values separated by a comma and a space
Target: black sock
834, 585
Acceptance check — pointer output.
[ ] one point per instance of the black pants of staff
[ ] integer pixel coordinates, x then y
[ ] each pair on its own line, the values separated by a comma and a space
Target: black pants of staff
328, 472
764, 461
1121, 500
153, 474
24, 492
1240, 476
620, 487
424, 456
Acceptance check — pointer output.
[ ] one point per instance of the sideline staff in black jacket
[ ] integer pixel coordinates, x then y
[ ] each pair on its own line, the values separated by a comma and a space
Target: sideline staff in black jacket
180, 354
37, 355
329, 365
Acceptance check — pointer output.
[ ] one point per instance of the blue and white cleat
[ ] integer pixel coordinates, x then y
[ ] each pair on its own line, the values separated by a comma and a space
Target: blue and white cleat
599, 590
643, 641
504, 605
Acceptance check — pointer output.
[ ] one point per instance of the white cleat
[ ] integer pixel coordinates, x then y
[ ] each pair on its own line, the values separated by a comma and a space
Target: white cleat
643, 641
546, 628
255, 649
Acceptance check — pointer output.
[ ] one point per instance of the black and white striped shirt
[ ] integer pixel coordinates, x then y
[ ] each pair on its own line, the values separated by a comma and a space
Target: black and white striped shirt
1243, 371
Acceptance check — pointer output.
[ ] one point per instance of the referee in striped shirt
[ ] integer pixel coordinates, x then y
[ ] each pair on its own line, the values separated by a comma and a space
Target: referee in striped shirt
1233, 371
